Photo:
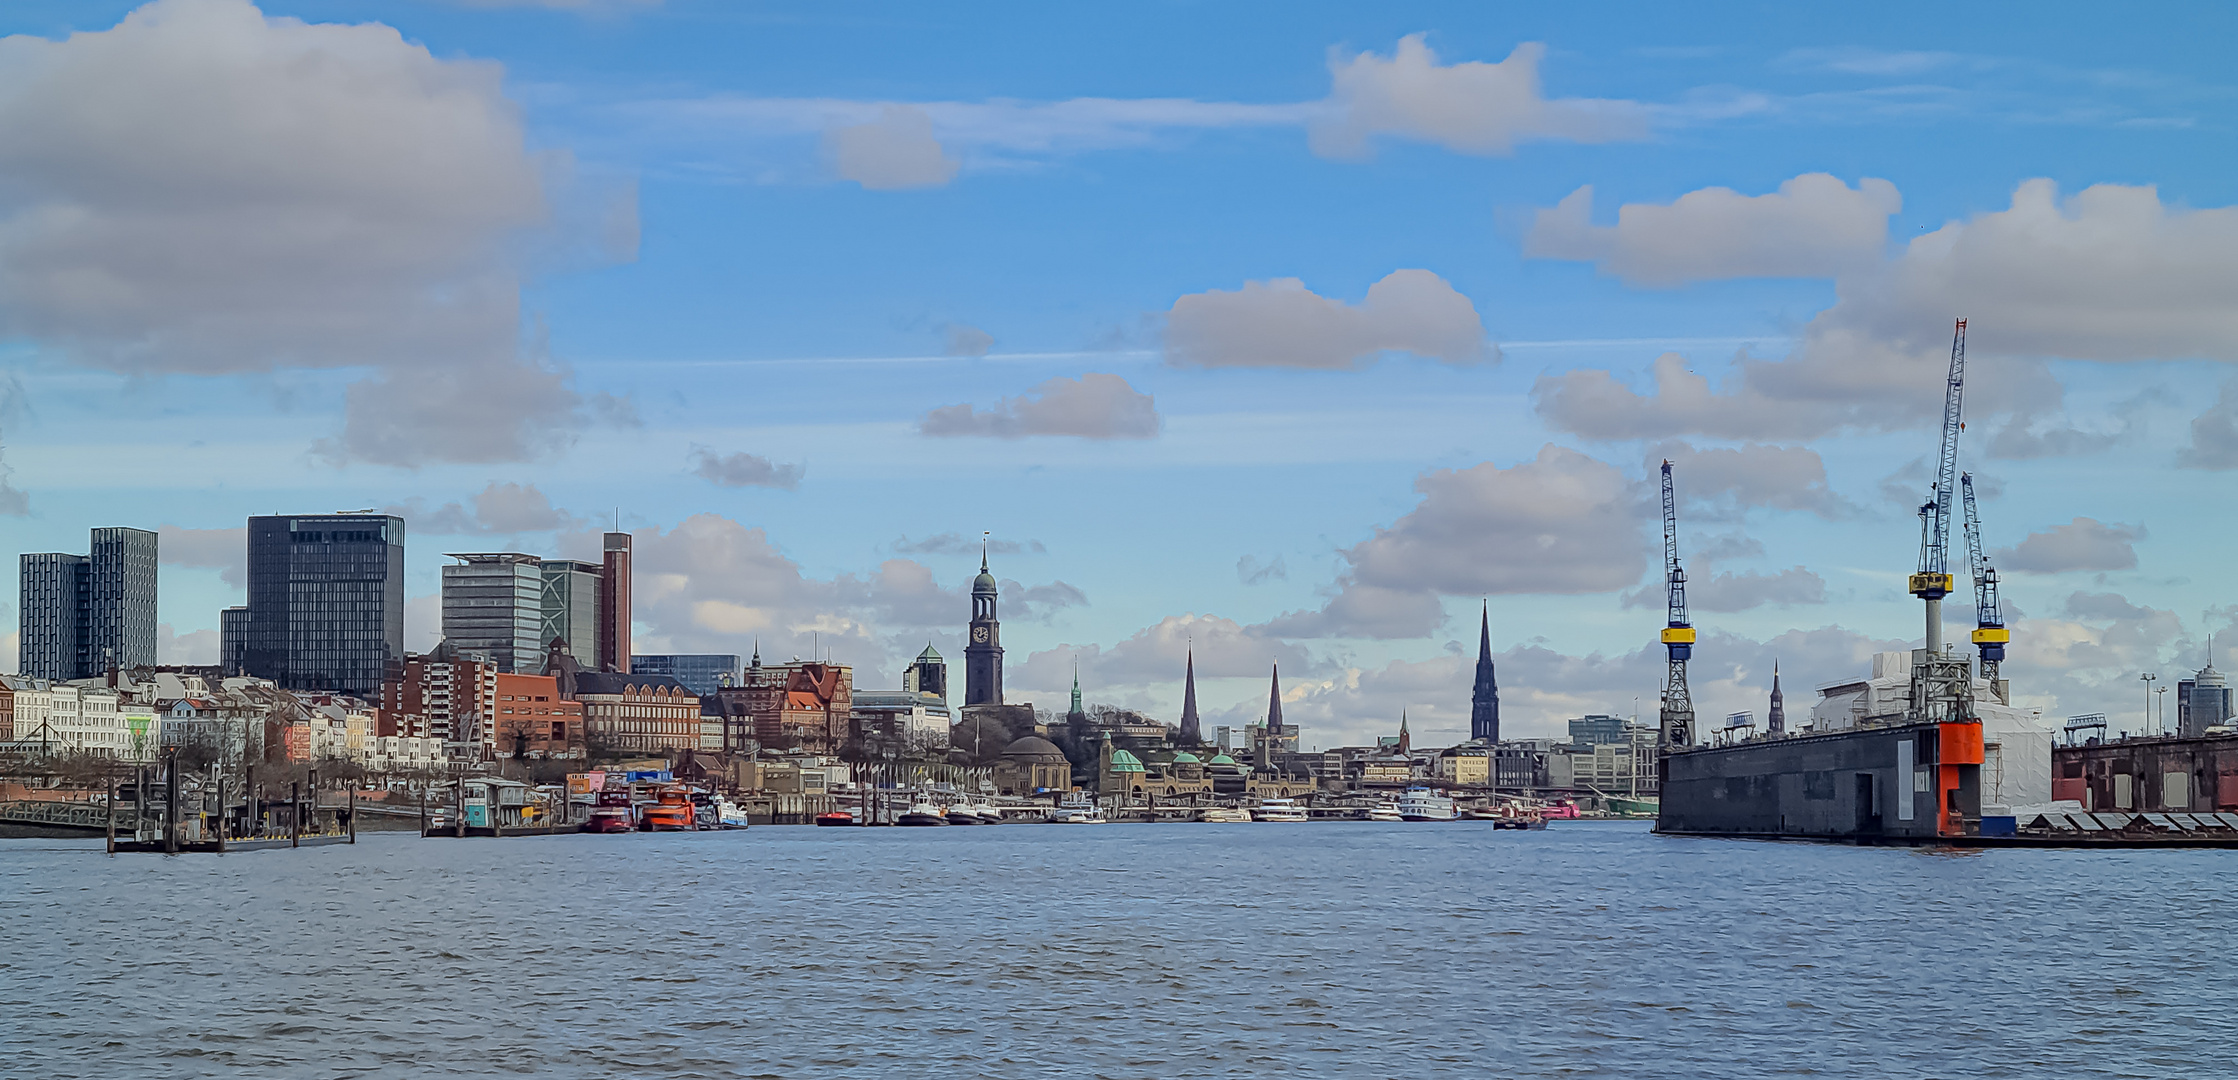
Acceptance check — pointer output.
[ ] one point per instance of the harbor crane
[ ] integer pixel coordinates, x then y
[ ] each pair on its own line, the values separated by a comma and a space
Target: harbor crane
1942, 688
1678, 633
1990, 634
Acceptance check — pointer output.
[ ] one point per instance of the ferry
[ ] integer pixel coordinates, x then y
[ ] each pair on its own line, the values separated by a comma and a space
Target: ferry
1387, 810
1223, 815
923, 813
1278, 810
611, 814
1077, 809
1423, 804
729, 815
670, 812
835, 817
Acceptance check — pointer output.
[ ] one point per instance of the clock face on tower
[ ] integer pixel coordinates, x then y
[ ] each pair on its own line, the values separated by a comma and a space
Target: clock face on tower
979, 634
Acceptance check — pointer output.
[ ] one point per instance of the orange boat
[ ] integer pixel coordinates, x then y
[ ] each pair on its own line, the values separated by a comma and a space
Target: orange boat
670, 812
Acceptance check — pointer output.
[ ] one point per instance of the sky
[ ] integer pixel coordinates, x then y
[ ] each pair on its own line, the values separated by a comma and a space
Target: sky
1294, 334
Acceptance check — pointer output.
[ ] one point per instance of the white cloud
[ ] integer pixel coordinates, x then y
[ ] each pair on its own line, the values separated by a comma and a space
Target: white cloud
1728, 592
225, 550
1726, 480
894, 152
1813, 226
203, 190
1470, 108
2082, 544
193, 647
1096, 405
2214, 434
1561, 523
503, 508
744, 470
961, 340
1281, 323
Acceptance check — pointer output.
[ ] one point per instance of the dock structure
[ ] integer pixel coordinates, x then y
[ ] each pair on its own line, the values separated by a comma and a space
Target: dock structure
159, 822
1917, 783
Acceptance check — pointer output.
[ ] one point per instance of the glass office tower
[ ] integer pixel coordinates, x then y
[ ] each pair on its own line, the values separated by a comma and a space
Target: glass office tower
326, 600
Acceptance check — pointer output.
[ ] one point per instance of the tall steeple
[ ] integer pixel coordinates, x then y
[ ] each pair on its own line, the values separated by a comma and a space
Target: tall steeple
1406, 741
1077, 714
1776, 722
1191, 733
983, 652
1274, 703
1484, 700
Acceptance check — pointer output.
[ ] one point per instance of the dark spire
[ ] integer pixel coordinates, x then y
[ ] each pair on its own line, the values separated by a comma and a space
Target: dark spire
1484, 700
1190, 733
1776, 723
1406, 741
1274, 702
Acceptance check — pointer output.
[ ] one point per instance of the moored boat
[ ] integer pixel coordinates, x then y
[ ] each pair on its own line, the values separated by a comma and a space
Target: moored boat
835, 817
1223, 815
923, 814
1282, 810
729, 815
671, 811
963, 814
1077, 809
1386, 810
987, 813
1423, 804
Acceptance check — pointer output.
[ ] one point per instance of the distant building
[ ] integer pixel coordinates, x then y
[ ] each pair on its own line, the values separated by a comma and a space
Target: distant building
441, 695
326, 601
1273, 737
1484, 698
81, 615
1521, 764
614, 605
1775, 721
569, 607
535, 720
983, 654
493, 606
2202, 701
1466, 765
233, 639
803, 705
1594, 729
915, 716
703, 672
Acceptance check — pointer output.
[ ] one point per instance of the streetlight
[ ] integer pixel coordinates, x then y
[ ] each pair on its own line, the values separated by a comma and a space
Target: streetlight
2163, 692
2147, 678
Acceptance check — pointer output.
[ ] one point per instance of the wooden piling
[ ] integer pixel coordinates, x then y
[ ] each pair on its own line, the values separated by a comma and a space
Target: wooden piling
171, 804
353, 813
220, 781
112, 815
295, 814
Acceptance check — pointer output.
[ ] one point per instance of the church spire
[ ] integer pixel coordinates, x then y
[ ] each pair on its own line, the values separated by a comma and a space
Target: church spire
1076, 684
1484, 699
1274, 703
1776, 721
1191, 733
1406, 741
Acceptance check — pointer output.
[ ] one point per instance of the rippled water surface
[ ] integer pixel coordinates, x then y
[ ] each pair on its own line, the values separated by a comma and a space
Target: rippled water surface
1124, 951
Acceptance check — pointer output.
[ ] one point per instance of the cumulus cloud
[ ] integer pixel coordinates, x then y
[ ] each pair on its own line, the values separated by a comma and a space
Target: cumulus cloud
14, 402
1471, 108
202, 190
1729, 479
193, 647
961, 340
1560, 523
2214, 434
1251, 571
744, 470
1156, 654
950, 543
894, 152
2081, 544
1281, 323
1727, 592
501, 509
1813, 226
225, 550
1094, 406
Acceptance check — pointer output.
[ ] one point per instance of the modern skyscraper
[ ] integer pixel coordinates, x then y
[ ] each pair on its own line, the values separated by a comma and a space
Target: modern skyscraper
83, 614
233, 639
983, 656
493, 607
1484, 701
1776, 721
570, 607
1192, 734
928, 674
326, 600
613, 605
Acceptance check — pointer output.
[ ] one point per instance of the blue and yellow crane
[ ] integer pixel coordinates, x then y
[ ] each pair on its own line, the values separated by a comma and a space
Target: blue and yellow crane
1678, 633
1990, 634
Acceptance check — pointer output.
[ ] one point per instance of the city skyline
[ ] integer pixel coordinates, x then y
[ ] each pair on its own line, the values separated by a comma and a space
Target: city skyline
1242, 355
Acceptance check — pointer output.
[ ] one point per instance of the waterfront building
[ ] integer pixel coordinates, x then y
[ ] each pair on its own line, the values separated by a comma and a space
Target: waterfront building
927, 675
614, 588
1119, 772
1522, 764
535, 720
983, 655
81, 615
705, 673
1179, 775
1466, 765
803, 705
568, 608
493, 607
2016, 746
1192, 734
1484, 698
1032, 765
1594, 729
627, 713
326, 601
441, 695
86, 717
900, 718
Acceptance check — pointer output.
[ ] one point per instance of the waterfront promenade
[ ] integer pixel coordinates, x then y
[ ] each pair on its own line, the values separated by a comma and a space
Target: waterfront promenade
1348, 949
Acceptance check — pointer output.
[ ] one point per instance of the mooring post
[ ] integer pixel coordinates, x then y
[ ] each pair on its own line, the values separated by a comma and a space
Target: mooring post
171, 804
140, 802
353, 813
459, 808
112, 815
423, 808
219, 780
295, 814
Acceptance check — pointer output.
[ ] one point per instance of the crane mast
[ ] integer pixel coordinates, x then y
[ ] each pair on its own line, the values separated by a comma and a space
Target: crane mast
1678, 633
1933, 581
1990, 634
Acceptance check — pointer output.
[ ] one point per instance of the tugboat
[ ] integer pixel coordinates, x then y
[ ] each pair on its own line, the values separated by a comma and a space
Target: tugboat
1423, 804
986, 812
923, 812
961, 813
835, 817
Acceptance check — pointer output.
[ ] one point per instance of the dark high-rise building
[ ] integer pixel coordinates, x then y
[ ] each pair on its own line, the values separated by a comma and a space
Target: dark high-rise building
613, 605
84, 614
326, 600
1484, 701
1191, 733
1776, 720
928, 674
493, 608
983, 656
233, 639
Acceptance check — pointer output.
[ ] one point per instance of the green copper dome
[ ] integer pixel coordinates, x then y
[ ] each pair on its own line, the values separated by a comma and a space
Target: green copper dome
1122, 761
1221, 759
1185, 758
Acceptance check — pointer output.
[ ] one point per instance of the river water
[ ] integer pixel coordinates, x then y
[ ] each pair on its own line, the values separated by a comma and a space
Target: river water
1326, 949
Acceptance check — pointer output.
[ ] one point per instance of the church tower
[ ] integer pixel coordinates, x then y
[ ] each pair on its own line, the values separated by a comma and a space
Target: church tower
983, 656
1484, 702
1191, 733
1776, 723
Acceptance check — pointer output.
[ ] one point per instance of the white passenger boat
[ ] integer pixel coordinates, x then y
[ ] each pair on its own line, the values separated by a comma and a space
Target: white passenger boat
1223, 815
1278, 810
1387, 810
1423, 804
729, 815
1077, 809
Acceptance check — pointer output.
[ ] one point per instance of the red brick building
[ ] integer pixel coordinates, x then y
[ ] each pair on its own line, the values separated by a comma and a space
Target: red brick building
534, 720
802, 705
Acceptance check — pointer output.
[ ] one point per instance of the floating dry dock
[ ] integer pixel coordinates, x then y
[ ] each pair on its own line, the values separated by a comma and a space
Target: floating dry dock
1898, 784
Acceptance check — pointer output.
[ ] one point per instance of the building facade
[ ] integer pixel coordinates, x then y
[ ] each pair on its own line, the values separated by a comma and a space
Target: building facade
82, 615
628, 713
444, 696
493, 606
534, 720
570, 607
705, 673
614, 605
983, 655
326, 601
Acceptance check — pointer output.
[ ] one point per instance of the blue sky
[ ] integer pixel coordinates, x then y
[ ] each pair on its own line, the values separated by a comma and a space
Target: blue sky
812, 295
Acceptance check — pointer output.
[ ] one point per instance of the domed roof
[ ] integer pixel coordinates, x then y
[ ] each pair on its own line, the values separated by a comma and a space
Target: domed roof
1221, 759
1185, 758
1122, 761
1034, 747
